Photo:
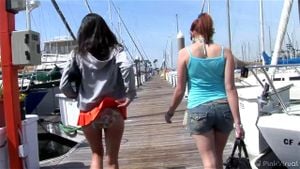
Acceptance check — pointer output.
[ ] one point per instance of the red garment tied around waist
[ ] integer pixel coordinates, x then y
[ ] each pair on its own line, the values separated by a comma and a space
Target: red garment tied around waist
86, 117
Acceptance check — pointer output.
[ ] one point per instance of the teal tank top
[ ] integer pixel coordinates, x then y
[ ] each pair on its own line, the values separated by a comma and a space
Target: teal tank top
205, 77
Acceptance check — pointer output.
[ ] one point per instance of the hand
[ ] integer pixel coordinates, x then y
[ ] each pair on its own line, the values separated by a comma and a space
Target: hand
168, 116
123, 102
239, 132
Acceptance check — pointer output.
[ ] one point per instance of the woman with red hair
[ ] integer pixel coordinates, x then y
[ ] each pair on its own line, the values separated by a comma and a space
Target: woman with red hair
208, 70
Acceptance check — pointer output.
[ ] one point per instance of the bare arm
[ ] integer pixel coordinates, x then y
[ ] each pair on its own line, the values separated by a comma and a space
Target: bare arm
231, 91
181, 84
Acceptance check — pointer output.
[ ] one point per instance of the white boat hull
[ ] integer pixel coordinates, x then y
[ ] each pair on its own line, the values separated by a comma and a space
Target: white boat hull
282, 133
249, 112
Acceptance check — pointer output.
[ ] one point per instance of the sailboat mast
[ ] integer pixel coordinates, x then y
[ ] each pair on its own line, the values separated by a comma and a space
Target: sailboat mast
171, 54
285, 14
262, 34
28, 21
208, 6
63, 18
177, 28
228, 21
270, 43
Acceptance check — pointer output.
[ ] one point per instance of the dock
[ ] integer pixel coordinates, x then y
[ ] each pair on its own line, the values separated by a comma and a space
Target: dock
148, 141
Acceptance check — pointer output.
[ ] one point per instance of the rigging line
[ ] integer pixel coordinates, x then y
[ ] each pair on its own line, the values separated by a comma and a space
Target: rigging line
72, 18
131, 56
126, 48
88, 6
110, 13
43, 25
128, 52
144, 52
290, 40
141, 47
63, 18
203, 4
139, 44
127, 29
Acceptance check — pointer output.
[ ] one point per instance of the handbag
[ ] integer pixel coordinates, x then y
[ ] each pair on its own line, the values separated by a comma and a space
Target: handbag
238, 162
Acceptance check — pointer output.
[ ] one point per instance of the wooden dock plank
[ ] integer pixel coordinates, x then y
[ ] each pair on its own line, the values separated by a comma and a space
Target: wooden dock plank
148, 142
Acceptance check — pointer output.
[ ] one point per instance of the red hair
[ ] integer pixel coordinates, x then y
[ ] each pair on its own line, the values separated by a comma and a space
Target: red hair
204, 26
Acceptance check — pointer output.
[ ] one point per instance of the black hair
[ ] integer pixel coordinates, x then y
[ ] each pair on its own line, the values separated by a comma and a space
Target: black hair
95, 37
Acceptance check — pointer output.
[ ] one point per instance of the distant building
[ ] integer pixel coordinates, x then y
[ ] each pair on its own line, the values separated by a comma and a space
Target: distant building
61, 45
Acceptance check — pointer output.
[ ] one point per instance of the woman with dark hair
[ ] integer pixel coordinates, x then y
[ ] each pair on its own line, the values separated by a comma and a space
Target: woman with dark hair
105, 86
212, 105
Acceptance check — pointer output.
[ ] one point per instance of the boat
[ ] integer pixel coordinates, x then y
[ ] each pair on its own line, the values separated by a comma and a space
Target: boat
45, 78
270, 119
283, 75
281, 132
281, 60
56, 53
270, 109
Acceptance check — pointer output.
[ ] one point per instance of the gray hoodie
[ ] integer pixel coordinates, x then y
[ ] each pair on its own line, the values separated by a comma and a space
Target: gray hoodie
113, 77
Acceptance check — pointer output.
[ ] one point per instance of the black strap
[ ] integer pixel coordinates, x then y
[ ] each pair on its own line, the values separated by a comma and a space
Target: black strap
234, 148
244, 148
241, 146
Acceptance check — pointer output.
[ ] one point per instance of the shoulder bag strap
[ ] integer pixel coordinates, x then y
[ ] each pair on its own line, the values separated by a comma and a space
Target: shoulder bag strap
234, 147
242, 145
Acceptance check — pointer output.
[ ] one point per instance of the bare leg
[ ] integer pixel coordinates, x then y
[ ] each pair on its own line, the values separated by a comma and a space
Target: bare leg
94, 137
220, 142
113, 137
207, 150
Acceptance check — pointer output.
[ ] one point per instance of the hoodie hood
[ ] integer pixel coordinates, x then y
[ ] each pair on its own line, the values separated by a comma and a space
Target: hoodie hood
94, 63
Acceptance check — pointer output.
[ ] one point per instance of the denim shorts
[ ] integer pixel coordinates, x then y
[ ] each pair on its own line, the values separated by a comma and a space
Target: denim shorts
212, 115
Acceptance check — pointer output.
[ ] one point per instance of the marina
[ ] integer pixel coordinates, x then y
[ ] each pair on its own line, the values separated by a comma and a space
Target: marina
148, 141
38, 124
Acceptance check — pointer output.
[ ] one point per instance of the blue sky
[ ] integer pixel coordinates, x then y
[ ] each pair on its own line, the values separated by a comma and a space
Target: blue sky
152, 23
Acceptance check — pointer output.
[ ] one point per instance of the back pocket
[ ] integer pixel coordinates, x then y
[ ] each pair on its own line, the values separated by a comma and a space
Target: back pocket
226, 112
197, 116
228, 115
